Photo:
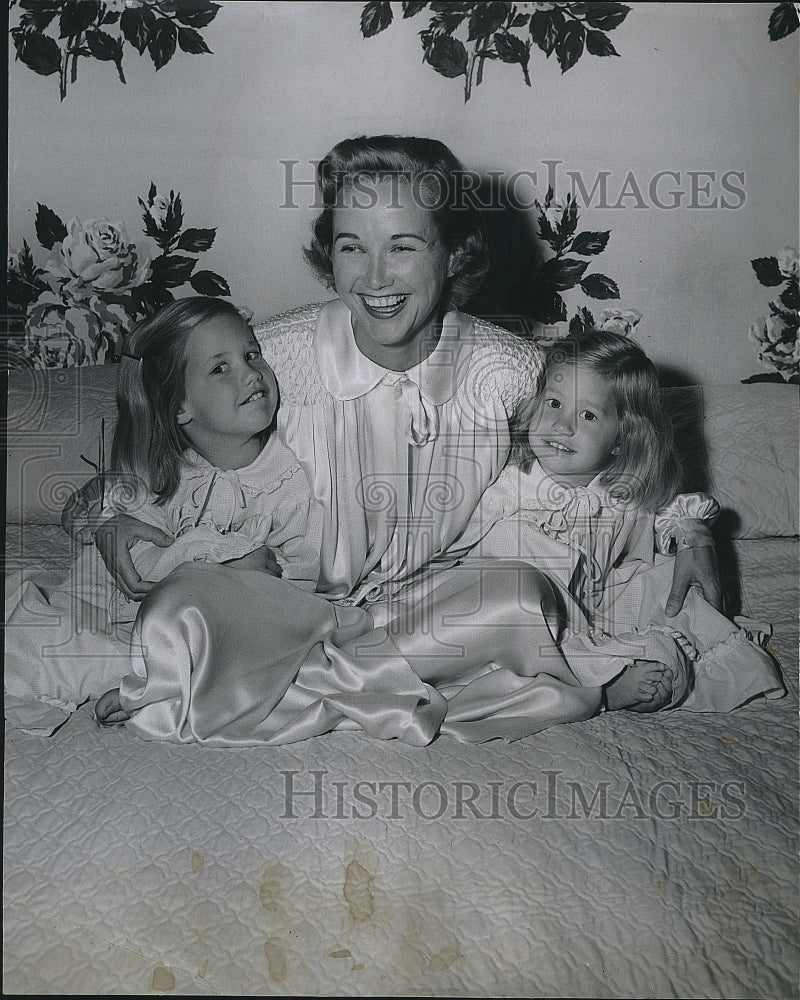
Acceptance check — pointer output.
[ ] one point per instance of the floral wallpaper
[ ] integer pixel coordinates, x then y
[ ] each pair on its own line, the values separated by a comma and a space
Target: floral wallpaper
462, 37
76, 306
53, 35
775, 337
73, 296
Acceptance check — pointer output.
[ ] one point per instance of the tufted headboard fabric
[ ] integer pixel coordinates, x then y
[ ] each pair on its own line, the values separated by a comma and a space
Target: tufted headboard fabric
738, 442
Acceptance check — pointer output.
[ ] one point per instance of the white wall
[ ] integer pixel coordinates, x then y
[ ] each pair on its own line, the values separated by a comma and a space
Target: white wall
697, 87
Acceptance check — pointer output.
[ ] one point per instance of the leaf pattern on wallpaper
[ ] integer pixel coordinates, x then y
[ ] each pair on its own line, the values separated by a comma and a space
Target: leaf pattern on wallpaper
77, 306
52, 35
530, 277
783, 21
462, 37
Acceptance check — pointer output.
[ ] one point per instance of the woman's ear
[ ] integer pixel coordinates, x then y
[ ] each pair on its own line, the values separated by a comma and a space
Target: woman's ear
454, 263
183, 417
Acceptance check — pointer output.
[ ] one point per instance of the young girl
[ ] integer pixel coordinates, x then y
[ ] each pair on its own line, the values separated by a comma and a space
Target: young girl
583, 498
194, 455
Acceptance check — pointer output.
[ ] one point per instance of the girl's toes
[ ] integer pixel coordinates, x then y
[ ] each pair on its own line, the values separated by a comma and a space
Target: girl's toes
108, 711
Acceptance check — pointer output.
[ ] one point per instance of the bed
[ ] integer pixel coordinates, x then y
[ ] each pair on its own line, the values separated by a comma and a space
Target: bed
626, 856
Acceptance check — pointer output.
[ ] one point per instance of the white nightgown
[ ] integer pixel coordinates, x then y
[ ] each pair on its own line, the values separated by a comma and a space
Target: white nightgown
69, 642
607, 557
73, 643
398, 462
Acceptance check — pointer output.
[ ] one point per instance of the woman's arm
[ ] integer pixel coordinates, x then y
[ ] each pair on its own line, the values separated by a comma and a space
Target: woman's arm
113, 534
684, 527
695, 567
114, 539
116, 533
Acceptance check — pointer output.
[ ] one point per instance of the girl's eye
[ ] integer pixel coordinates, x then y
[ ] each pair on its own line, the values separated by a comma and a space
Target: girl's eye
223, 367
554, 404
252, 355
588, 415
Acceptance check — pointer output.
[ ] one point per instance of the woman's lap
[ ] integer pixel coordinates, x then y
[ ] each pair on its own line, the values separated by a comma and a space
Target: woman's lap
232, 657
273, 664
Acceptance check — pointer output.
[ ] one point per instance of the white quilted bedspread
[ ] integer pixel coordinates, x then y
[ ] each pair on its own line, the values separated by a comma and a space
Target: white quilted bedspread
136, 867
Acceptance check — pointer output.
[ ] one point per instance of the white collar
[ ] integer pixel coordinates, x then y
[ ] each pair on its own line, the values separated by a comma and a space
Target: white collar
347, 373
549, 494
274, 457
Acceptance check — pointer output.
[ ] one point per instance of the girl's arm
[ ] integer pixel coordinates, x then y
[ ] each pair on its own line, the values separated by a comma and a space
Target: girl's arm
198, 544
156, 542
296, 535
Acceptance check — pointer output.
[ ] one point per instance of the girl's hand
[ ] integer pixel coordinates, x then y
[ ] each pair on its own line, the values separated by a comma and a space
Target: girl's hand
262, 559
114, 539
695, 567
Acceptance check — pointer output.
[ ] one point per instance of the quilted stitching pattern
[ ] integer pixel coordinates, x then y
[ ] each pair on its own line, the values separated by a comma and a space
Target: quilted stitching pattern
135, 867
744, 450
183, 863
286, 343
51, 421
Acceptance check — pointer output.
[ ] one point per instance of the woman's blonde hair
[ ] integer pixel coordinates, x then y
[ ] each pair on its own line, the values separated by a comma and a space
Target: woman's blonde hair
644, 467
148, 443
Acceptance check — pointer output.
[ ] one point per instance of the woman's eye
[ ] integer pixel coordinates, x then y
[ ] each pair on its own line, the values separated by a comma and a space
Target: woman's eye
554, 404
350, 248
220, 368
410, 249
252, 355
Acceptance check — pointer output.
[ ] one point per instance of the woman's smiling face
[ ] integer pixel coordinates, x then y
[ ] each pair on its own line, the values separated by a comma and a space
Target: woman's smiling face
389, 268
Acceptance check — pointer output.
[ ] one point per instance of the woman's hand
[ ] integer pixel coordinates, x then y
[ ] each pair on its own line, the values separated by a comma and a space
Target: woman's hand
695, 567
76, 507
262, 559
114, 539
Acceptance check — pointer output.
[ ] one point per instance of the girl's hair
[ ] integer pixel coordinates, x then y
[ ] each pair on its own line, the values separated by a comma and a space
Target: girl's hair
151, 388
436, 177
644, 469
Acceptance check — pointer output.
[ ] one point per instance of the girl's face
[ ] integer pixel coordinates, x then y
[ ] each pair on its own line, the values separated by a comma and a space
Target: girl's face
230, 393
390, 269
575, 424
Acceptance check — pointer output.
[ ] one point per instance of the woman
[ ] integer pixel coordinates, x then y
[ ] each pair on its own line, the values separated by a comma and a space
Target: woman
399, 406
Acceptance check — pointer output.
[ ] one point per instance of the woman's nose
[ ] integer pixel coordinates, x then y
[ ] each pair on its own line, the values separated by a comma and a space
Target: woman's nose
378, 274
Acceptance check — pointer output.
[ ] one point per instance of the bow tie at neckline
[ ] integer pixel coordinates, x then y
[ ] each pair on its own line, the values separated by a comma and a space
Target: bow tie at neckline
579, 499
224, 496
422, 421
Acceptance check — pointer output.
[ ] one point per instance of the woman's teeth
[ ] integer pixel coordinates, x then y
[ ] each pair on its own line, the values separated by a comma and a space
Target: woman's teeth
260, 394
383, 301
384, 305
558, 446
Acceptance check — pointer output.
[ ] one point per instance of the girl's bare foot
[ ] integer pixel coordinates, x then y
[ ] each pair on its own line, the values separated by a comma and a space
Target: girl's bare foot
643, 686
109, 711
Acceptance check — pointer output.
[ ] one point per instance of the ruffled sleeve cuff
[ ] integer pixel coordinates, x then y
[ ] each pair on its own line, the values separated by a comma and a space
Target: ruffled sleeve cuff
685, 523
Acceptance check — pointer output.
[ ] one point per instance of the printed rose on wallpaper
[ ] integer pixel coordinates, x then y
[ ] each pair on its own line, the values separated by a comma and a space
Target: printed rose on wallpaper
776, 337
95, 284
